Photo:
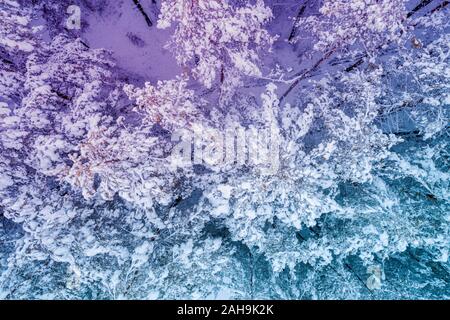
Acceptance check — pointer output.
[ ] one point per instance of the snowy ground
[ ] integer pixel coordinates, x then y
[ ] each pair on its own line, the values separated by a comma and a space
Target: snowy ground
138, 49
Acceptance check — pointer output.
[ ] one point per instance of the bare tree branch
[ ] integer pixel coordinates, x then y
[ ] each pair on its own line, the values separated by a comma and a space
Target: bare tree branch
421, 5
142, 11
307, 74
297, 18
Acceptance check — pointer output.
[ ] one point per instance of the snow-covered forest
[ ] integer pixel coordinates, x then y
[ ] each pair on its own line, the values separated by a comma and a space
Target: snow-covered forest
224, 149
